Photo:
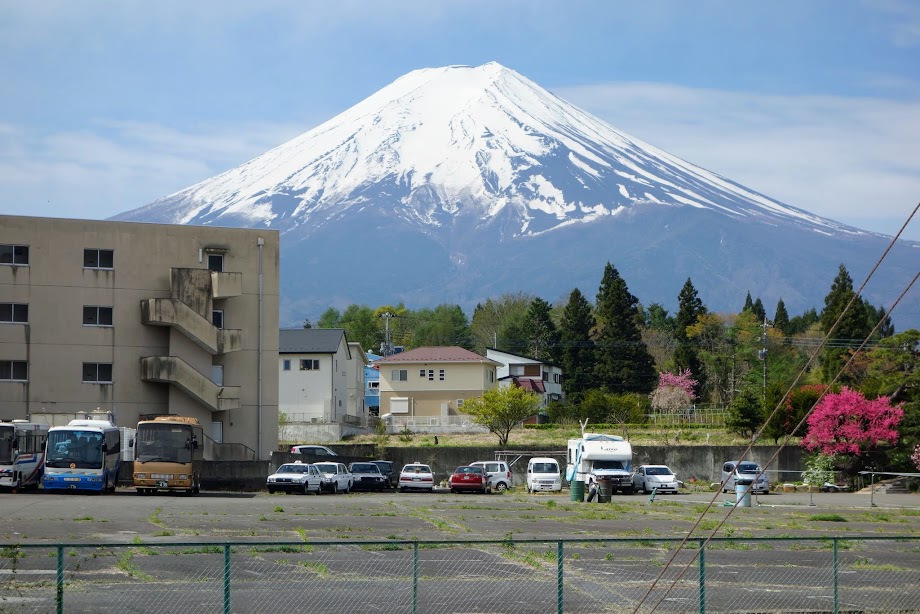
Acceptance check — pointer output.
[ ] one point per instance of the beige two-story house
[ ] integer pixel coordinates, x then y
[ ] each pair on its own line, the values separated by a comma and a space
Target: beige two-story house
428, 385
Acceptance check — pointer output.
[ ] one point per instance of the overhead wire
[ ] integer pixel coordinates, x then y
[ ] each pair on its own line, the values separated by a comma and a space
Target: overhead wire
780, 404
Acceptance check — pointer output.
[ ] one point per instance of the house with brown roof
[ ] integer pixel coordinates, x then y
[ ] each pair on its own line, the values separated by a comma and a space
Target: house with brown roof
542, 378
427, 386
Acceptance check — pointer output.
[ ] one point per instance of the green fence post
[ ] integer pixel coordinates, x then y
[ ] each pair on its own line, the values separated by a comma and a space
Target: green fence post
226, 578
836, 579
702, 557
559, 583
415, 578
59, 596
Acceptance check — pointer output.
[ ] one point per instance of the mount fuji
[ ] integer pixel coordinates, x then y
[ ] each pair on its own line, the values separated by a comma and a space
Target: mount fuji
456, 184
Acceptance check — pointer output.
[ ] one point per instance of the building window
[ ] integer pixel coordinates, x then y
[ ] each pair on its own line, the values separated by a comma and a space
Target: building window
14, 370
459, 403
14, 254
400, 375
14, 313
430, 375
492, 376
421, 372
217, 318
441, 375
374, 385
545, 376
216, 262
97, 316
309, 364
98, 259
286, 364
97, 373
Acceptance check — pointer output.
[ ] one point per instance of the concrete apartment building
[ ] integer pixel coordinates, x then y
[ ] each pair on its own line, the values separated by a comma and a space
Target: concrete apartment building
137, 319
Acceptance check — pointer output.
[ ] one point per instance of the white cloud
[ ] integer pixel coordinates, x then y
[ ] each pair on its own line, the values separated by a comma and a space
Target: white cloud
850, 159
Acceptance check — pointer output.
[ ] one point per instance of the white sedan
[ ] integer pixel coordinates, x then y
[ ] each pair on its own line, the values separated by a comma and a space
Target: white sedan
651, 477
336, 477
298, 477
416, 476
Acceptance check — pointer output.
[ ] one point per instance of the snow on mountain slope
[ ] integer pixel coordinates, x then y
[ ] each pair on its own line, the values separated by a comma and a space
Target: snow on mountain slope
442, 144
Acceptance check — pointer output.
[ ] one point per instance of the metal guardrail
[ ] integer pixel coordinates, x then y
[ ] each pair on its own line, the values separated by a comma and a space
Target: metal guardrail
770, 574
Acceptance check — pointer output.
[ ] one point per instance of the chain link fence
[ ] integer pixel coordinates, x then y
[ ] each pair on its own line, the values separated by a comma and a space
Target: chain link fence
833, 574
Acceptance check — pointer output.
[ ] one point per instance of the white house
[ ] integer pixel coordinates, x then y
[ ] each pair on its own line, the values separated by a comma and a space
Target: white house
321, 376
542, 378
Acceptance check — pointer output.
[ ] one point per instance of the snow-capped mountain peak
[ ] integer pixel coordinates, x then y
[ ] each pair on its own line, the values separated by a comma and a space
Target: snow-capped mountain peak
443, 144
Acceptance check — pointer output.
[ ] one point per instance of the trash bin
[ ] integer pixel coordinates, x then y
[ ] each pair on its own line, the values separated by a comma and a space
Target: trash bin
743, 493
604, 490
578, 490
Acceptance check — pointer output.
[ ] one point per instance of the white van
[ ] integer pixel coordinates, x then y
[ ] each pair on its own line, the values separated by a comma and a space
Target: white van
543, 474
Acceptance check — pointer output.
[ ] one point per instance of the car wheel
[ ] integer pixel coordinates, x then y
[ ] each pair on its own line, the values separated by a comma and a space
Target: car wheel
501, 487
271, 491
335, 488
347, 489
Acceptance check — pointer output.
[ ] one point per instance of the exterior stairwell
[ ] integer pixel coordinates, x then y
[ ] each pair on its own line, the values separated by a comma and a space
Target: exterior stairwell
173, 312
175, 371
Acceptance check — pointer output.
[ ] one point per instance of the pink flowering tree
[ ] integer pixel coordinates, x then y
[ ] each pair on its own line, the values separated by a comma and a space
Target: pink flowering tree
848, 423
674, 392
916, 456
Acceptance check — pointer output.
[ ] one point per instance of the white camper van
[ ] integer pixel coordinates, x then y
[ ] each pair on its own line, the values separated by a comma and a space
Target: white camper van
596, 456
543, 474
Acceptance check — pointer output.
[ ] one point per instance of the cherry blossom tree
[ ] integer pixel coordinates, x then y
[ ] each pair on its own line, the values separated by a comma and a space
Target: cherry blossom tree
846, 422
674, 392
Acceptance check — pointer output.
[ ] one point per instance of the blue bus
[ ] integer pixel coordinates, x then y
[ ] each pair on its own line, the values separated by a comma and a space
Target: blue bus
84, 455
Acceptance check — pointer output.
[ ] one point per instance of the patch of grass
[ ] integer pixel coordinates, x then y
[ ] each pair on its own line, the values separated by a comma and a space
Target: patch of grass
867, 564
278, 509
126, 564
382, 547
83, 519
154, 518
319, 568
262, 518
200, 550
283, 548
302, 532
164, 533
826, 518
550, 504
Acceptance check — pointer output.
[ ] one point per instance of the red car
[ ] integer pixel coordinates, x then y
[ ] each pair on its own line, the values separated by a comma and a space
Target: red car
469, 478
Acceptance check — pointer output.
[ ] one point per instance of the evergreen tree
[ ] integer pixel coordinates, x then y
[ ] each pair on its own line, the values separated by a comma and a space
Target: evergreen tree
853, 323
800, 324
577, 351
758, 310
623, 361
542, 333
690, 308
496, 319
781, 319
748, 303
445, 325
745, 414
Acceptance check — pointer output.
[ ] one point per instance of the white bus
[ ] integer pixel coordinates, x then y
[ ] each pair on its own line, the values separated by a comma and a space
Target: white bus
84, 455
22, 454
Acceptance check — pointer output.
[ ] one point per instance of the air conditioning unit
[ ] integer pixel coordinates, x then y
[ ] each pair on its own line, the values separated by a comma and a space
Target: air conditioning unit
313, 420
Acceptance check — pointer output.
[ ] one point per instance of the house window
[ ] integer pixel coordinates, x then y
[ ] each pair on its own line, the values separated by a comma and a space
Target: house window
421, 372
400, 375
98, 258
545, 376
216, 262
492, 376
459, 403
430, 375
97, 373
14, 254
97, 316
286, 364
309, 364
14, 370
441, 375
14, 313
217, 318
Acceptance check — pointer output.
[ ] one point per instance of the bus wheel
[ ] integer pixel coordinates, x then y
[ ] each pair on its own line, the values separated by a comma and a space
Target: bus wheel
17, 484
197, 485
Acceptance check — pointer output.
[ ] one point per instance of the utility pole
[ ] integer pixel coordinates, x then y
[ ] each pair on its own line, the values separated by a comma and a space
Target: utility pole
387, 346
762, 354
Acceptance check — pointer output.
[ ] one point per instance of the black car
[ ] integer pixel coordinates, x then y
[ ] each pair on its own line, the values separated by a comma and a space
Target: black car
386, 468
367, 477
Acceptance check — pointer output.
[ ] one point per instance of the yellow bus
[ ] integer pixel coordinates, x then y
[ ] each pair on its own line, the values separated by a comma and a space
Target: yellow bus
168, 455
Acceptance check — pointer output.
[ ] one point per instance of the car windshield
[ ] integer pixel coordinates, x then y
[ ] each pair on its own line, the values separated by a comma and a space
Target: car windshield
545, 468
608, 464
748, 468
476, 470
364, 468
657, 471
294, 469
416, 469
326, 467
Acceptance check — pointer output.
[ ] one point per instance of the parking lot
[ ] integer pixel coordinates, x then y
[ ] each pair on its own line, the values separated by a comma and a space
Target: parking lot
248, 552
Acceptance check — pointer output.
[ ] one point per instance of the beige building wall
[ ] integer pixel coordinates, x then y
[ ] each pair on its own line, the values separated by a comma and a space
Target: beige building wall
56, 343
430, 398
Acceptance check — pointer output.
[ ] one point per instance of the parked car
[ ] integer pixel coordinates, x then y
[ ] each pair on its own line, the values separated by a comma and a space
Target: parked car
650, 477
386, 468
367, 476
468, 478
747, 471
296, 477
313, 449
416, 476
499, 474
336, 477
543, 474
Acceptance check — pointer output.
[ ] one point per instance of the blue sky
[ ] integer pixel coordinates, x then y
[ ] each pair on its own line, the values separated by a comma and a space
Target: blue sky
107, 106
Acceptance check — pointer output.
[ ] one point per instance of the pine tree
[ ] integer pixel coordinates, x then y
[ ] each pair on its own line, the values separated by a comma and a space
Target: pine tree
853, 323
542, 333
748, 303
781, 319
623, 361
577, 351
758, 310
690, 308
